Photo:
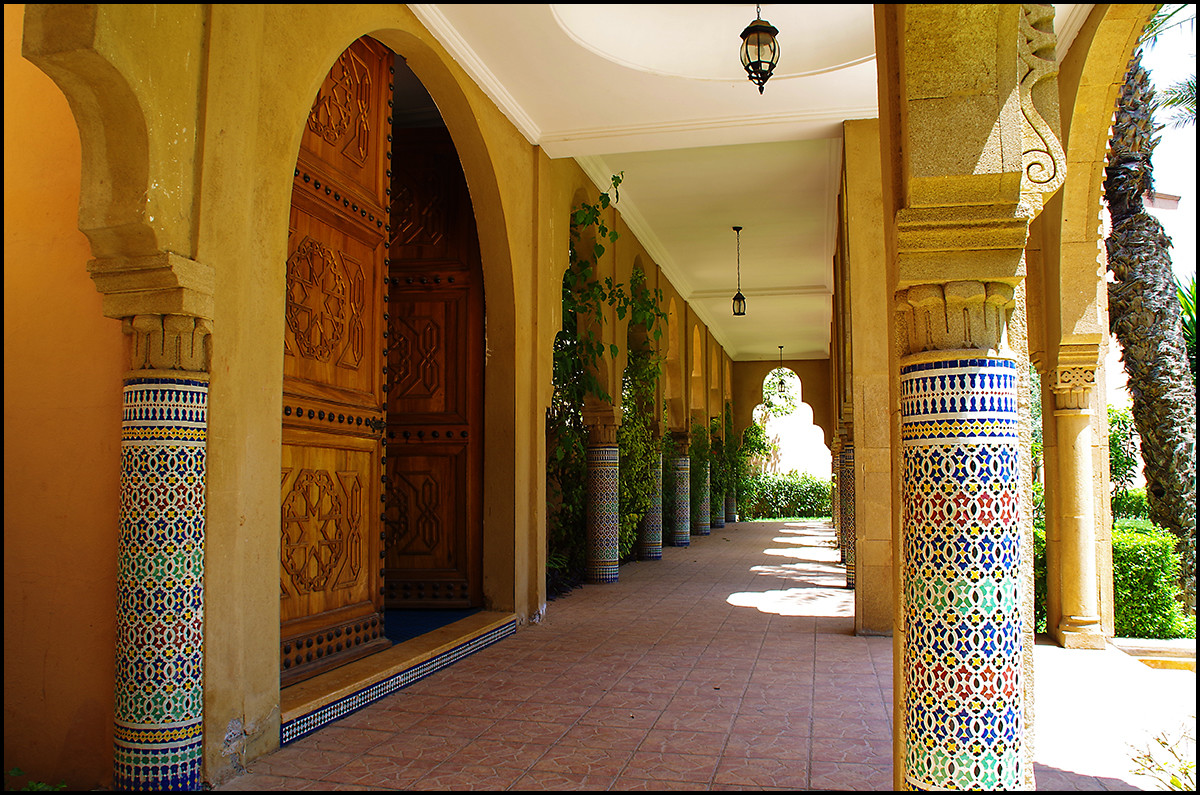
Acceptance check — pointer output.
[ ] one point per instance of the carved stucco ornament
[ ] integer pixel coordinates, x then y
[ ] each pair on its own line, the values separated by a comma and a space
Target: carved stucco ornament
960, 315
169, 342
1043, 162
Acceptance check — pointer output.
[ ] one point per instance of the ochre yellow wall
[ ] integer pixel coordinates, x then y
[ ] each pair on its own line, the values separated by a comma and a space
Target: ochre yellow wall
63, 365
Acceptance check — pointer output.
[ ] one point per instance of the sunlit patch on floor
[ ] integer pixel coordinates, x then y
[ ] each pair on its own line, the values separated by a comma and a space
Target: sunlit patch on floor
813, 602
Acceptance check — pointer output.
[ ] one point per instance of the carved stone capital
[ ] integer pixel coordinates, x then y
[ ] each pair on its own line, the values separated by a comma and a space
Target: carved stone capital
1075, 375
962, 315
169, 342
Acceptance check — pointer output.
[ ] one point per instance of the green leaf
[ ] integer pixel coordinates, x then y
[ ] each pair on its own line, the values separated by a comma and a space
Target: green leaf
614, 350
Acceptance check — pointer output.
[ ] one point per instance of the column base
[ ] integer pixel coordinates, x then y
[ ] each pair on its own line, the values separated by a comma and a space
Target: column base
1080, 632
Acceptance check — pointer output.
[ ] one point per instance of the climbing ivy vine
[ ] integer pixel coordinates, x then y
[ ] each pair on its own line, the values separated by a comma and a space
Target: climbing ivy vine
638, 445
578, 354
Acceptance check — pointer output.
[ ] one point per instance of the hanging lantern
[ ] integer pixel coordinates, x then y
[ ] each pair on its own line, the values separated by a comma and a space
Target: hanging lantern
739, 300
760, 50
782, 383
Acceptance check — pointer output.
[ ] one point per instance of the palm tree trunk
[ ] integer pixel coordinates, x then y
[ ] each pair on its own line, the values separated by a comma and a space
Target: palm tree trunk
1145, 316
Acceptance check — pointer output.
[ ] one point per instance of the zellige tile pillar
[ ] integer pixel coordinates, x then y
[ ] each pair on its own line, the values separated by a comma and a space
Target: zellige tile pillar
159, 708
650, 533
961, 555
603, 484
681, 483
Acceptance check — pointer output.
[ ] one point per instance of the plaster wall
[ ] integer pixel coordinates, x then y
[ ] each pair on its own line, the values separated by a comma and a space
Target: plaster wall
814, 375
63, 365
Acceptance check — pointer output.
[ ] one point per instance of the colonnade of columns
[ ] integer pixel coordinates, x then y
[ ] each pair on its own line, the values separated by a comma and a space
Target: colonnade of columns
656, 529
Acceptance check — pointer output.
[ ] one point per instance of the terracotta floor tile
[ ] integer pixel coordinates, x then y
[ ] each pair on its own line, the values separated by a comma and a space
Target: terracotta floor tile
382, 772
852, 749
556, 781
441, 725
525, 731
501, 753
628, 717
698, 720
583, 761
385, 720
453, 775
751, 773
655, 765
342, 738
851, 776
293, 762
771, 744
415, 745
684, 742
631, 783
608, 737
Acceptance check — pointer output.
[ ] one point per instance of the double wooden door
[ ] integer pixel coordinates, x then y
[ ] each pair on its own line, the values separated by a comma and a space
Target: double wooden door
372, 351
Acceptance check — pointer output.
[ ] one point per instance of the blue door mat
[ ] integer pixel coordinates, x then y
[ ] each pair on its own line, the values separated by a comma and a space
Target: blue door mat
402, 625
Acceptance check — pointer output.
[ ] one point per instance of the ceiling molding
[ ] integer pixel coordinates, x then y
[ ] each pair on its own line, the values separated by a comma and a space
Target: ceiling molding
432, 18
717, 124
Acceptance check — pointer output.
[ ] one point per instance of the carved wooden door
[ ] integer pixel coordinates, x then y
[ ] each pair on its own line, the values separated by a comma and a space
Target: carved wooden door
331, 598
433, 513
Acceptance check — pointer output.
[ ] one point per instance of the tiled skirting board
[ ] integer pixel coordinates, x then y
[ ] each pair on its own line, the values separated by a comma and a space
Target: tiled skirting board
309, 705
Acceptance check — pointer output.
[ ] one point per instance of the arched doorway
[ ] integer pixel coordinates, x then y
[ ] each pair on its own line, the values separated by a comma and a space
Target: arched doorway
381, 488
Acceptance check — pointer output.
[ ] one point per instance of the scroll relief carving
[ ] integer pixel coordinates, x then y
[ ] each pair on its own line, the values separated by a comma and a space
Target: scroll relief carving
965, 315
1042, 159
169, 342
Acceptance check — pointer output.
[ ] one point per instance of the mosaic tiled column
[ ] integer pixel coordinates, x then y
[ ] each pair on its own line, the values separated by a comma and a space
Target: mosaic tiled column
717, 510
964, 694
701, 517
650, 540
681, 522
846, 506
160, 570
835, 465
603, 484
731, 505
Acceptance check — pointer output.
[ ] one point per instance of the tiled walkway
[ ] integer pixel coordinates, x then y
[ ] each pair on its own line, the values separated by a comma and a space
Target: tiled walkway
727, 665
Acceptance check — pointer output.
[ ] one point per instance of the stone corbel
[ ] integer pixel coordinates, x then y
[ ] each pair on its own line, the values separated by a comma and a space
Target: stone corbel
169, 343
1043, 162
962, 315
160, 284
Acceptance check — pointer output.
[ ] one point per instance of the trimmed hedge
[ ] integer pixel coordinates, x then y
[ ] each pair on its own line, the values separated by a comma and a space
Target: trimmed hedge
785, 496
1145, 577
1145, 573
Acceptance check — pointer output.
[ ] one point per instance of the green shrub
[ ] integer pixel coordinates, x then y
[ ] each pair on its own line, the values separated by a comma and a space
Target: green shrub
784, 496
1039, 578
1130, 504
1145, 577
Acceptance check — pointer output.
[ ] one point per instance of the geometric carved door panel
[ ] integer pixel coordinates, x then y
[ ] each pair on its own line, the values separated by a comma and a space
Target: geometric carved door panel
331, 599
433, 504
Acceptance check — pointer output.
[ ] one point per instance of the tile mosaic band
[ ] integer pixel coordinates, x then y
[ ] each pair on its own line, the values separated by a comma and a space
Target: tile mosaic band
160, 586
603, 484
961, 575
299, 727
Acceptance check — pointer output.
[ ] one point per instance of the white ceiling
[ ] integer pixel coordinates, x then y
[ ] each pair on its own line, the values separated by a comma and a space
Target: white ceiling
658, 92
